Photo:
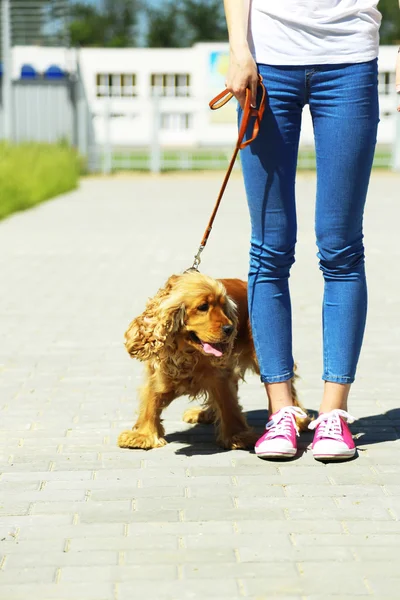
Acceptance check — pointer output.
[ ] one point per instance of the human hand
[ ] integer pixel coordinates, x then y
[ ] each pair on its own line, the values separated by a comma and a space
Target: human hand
242, 74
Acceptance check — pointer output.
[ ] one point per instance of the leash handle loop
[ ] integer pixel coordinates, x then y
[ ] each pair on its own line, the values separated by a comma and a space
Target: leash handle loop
220, 100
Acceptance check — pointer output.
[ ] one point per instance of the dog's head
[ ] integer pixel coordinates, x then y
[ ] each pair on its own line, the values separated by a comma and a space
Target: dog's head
191, 313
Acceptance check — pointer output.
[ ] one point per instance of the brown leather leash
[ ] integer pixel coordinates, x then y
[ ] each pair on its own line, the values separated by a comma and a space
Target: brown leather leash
248, 112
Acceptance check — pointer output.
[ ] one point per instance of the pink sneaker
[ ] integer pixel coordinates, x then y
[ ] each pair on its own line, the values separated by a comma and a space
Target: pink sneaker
333, 439
279, 440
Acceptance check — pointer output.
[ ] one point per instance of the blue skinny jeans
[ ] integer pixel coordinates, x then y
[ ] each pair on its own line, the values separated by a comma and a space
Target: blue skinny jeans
343, 102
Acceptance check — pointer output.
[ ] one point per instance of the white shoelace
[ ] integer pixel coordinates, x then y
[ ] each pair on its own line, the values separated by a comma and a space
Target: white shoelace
282, 421
331, 426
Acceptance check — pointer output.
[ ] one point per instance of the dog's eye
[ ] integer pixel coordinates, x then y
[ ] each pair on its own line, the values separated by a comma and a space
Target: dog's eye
203, 307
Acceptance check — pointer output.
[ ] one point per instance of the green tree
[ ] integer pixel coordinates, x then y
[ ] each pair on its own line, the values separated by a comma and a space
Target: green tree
122, 18
165, 27
87, 26
186, 22
110, 27
390, 28
205, 20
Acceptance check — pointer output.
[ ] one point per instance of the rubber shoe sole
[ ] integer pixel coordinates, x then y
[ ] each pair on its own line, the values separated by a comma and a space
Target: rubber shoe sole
345, 455
286, 454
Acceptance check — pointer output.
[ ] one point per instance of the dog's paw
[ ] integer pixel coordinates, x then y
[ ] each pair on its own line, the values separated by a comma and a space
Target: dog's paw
135, 439
199, 415
240, 441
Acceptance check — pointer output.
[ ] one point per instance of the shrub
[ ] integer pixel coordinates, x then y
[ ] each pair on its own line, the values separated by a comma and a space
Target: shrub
33, 172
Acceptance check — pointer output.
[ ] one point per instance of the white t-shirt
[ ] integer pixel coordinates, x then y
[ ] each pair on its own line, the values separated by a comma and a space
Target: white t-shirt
304, 32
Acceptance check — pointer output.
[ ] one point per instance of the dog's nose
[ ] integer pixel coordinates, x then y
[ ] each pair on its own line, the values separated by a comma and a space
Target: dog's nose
228, 329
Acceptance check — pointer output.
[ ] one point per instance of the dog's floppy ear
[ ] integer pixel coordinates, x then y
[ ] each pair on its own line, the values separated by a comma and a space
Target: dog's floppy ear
151, 331
231, 310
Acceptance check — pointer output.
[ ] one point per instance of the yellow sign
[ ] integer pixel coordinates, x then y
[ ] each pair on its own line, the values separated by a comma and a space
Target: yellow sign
218, 69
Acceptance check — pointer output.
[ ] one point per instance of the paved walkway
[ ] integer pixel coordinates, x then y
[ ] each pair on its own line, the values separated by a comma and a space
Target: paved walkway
81, 519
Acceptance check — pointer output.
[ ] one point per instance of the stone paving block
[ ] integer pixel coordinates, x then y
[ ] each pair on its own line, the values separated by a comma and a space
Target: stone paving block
266, 527
92, 484
48, 508
31, 532
291, 585
306, 554
205, 482
213, 474
328, 596
180, 528
240, 570
27, 467
92, 591
133, 542
363, 476
179, 556
144, 494
348, 570
9, 508
217, 503
47, 476
371, 527
337, 491
199, 491
266, 587
111, 515
268, 502
59, 559
16, 487
62, 465
15, 545
49, 521
239, 540
232, 514
82, 574
30, 575
151, 473
369, 541
294, 476
377, 553
385, 501
221, 589
376, 513
46, 495
385, 588
329, 470
392, 469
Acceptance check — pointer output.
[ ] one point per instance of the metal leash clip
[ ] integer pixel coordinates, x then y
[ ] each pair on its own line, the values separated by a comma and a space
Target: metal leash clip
197, 260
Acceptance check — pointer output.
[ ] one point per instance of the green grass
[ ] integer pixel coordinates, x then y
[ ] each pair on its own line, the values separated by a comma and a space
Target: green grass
195, 159
31, 173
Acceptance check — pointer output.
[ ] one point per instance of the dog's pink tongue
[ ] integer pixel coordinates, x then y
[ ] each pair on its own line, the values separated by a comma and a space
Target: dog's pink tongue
209, 349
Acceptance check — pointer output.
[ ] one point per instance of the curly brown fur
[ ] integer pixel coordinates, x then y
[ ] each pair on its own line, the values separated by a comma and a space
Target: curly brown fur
195, 339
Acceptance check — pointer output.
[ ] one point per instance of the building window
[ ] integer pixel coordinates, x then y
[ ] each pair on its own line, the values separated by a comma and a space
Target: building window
176, 121
386, 83
170, 84
117, 85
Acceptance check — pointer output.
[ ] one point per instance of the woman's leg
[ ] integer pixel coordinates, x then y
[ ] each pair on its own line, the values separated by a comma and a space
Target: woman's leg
269, 169
344, 106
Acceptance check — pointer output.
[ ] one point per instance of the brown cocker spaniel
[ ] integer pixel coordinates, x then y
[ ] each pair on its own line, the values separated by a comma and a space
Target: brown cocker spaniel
195, 339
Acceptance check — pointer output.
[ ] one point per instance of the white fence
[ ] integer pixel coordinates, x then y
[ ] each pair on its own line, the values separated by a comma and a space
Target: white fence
163, 155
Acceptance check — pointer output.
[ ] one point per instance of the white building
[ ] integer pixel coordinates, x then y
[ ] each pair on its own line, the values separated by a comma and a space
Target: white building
137, 94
